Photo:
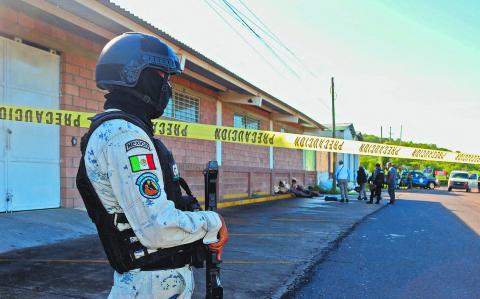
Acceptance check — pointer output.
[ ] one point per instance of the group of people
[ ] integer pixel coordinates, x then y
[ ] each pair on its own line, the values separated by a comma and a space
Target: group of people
375, 181
297, 189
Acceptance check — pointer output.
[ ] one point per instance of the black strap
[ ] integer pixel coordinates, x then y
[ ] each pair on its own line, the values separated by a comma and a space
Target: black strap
178, 260
185, 186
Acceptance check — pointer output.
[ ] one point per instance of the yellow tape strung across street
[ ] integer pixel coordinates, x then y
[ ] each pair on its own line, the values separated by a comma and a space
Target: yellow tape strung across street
244, 136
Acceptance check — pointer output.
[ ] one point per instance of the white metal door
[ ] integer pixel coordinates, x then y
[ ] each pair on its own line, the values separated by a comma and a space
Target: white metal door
31, 151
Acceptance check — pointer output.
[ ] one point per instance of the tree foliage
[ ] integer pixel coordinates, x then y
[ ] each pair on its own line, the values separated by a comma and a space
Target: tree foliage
370, 161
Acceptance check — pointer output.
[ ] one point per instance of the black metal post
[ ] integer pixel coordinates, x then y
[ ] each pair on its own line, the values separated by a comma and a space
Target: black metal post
214, 289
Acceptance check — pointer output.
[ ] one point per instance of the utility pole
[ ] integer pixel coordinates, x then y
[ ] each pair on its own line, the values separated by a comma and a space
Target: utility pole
401, 132
380, 160
334, 155
390, 136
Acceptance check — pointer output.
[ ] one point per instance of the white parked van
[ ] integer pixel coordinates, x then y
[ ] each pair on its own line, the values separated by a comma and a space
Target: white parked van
462, 180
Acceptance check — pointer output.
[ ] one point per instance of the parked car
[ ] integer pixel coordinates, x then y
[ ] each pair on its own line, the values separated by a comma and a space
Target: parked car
462, 180
419, 179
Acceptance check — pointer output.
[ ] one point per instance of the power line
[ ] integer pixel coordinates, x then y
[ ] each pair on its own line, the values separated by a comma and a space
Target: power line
246, 41
291, 55
242, 21
263, 24
233, 12
277, 39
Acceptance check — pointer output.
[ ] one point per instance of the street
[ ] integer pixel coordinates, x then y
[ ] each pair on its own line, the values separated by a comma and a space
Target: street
426, 246
270, 245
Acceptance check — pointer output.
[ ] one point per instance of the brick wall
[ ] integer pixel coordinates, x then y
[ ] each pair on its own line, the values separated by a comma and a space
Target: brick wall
284, 158
261, 182
281, 176
234, 182
192, 155
79, 93
311, 178
241, 154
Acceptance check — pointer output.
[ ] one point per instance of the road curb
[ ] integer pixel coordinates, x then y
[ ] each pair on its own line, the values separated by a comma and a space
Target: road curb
299, 280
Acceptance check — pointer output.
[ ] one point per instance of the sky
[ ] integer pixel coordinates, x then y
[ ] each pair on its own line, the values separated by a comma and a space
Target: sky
405, 64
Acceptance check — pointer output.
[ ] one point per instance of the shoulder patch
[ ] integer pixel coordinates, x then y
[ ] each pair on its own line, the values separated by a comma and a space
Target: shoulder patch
137, 143
148, 185
142, 162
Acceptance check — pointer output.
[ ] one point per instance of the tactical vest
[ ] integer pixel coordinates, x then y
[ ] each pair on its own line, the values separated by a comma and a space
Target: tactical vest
123, 249
379, 178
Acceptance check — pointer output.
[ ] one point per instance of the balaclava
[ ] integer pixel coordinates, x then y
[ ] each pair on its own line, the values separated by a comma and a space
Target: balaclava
131, 100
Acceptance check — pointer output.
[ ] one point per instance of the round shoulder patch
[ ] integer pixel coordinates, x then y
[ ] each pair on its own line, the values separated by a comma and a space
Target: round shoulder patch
148, 185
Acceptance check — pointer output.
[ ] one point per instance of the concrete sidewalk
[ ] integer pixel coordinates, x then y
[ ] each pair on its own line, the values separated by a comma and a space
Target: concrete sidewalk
43, 227
271, 245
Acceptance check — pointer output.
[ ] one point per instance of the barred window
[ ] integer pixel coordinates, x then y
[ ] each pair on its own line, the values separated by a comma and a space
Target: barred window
245, 122
183, 107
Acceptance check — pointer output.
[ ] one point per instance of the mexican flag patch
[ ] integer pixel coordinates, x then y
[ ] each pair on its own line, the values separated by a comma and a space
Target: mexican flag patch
142, 162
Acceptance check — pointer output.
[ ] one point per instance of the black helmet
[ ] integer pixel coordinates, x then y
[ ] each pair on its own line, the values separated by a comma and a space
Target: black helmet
124, 58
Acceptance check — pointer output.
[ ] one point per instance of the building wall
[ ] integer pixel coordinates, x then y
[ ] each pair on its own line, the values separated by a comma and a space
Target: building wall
240, 154
192, 155
78, 90
284, 158
246, 167
79, 93
251, 161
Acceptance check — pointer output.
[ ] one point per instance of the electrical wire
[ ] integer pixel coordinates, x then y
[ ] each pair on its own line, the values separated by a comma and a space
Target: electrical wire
276, 38
282, 46
242, 21
243, 38
236, 14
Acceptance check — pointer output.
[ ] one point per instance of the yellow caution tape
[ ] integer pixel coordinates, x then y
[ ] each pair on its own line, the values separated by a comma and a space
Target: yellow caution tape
244, 136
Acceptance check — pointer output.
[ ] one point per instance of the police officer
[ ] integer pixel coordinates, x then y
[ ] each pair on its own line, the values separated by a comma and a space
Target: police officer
391, 181
376, 182
151, 232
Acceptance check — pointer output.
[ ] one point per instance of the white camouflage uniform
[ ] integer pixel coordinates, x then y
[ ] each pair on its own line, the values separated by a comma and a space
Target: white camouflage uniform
119, 163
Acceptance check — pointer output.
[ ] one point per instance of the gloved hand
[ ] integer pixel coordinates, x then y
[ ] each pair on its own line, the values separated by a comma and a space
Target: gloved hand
222, 240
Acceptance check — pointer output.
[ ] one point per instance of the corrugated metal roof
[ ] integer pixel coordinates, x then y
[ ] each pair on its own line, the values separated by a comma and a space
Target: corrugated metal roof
197, 54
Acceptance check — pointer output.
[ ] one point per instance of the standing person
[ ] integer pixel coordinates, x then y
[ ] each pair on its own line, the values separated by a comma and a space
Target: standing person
391, 181
410, 180
376, 181
343, 175
130, 183
362, 181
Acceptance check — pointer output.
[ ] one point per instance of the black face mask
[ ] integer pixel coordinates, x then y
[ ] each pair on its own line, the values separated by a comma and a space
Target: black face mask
158, 90
147, 100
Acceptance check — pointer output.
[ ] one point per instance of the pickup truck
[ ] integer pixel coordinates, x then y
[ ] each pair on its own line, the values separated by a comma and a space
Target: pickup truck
419, 179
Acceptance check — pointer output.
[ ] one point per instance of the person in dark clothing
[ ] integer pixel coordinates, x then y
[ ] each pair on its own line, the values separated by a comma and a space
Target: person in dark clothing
298, 190
362, 181
376, 181
391, 181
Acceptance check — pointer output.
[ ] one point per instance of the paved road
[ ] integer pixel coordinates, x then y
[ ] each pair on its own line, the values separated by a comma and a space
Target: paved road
270, 245
426, 246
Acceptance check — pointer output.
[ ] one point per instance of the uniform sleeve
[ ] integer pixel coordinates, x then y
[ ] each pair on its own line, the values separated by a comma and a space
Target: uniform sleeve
136, 177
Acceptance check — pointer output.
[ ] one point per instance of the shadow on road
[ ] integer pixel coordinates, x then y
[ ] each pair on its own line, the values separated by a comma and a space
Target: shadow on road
424, 244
